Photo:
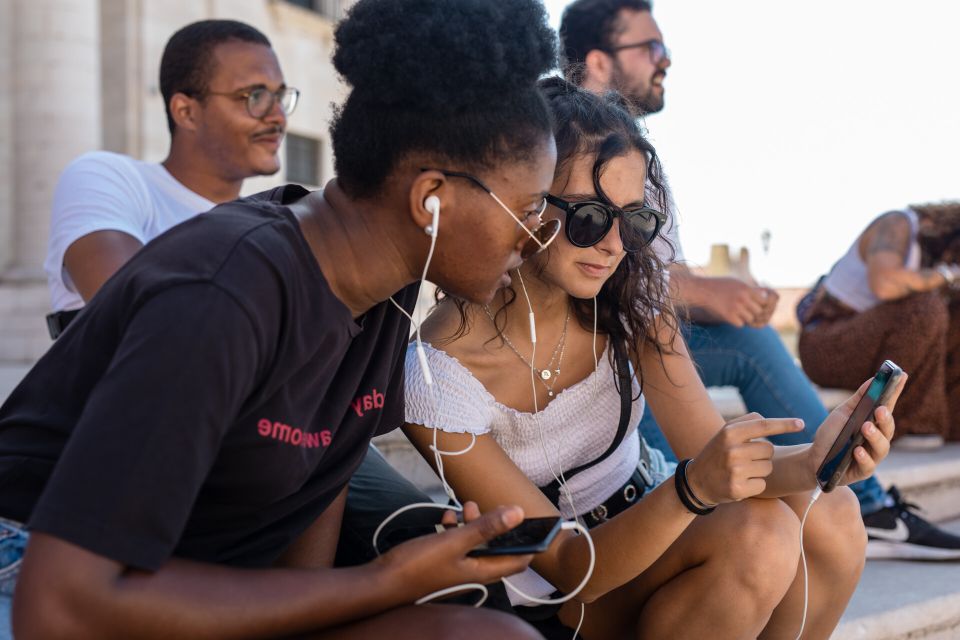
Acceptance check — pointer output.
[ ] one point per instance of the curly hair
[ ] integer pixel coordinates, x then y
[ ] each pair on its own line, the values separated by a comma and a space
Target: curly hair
591, 24
452, 78
632, 299
187, 62
940, 241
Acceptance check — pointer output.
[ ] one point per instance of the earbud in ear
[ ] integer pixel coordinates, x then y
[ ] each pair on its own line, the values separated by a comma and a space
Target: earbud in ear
432, 204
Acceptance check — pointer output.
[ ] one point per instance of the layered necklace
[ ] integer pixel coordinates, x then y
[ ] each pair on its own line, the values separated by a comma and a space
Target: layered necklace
548, 375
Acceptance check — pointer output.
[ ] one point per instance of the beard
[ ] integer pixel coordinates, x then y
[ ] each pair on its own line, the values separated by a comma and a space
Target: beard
643, 97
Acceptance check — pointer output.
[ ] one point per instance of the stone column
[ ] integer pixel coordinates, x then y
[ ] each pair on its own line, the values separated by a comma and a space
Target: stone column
50, 113
56, 115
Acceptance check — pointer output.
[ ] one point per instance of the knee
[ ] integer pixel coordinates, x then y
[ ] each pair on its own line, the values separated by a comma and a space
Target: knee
766, 549
834, 535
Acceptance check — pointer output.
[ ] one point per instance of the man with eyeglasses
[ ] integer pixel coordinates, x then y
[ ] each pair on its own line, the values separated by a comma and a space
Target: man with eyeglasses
617, 44
227, 106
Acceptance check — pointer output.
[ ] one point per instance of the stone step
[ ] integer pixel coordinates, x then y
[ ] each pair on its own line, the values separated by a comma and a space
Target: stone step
899, 600
929, 479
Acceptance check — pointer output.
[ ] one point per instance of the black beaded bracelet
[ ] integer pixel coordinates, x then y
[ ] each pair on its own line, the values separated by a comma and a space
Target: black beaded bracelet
689, 499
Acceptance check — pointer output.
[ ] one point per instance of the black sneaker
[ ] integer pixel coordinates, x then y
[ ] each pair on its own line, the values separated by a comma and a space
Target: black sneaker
898, 532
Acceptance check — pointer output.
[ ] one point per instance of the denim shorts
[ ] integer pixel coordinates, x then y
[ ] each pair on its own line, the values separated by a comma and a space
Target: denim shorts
13, 542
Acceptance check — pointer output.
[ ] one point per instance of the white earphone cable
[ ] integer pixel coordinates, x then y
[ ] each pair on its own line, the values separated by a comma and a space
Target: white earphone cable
803, 560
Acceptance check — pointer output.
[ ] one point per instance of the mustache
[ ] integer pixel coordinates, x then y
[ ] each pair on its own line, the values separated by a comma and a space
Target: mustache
275, 130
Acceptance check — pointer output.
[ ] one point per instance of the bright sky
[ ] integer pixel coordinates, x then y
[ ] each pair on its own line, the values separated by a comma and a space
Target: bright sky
804, 118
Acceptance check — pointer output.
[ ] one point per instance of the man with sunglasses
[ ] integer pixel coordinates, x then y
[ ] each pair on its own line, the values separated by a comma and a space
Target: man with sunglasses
617, 44
227, 106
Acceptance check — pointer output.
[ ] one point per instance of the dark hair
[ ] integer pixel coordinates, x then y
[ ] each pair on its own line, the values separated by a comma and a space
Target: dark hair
632, 298
591, 24
455, 79
187, 62
940, 240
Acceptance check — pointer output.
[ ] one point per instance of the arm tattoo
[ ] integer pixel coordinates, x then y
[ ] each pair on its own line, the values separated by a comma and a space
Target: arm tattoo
891, 234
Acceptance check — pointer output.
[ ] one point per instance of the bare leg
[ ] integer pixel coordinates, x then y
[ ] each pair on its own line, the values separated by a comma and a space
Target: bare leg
721, 579
835, 544
440, 622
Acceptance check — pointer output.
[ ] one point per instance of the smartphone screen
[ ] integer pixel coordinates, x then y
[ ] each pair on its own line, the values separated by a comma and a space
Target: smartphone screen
533, 535
838, 459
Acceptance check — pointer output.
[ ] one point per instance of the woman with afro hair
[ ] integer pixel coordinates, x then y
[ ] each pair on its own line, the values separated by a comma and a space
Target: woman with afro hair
176, 465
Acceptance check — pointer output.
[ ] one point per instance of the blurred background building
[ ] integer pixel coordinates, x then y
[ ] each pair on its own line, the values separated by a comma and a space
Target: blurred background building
79, 75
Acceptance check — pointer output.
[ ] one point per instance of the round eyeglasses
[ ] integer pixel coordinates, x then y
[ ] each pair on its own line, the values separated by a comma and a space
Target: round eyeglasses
260, 100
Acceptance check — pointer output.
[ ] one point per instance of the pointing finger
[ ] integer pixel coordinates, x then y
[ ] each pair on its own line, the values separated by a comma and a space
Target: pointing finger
765, 427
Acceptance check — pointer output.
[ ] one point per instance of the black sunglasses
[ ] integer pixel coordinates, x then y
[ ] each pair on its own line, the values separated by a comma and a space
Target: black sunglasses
588, 221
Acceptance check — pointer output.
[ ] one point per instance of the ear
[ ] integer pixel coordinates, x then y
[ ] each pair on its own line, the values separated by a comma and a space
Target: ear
185, 111
598, 70
428, 184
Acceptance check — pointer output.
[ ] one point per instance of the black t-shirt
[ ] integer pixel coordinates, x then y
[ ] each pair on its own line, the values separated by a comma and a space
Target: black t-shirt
209, 403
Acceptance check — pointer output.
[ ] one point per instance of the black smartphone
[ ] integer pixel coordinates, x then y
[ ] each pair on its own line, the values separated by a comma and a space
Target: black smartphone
533, 535
838, 459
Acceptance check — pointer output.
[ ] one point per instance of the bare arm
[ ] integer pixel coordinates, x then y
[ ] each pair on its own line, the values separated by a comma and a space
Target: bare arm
93, 258
884, 247
66, 591
724, 464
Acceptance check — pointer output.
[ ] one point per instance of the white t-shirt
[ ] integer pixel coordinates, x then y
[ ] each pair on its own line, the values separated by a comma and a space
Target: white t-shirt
102, 191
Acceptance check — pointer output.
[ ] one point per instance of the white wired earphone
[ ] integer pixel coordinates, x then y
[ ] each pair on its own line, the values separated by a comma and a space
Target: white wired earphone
432, 205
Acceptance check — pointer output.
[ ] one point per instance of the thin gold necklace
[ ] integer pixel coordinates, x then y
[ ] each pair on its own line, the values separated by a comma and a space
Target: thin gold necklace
548, 376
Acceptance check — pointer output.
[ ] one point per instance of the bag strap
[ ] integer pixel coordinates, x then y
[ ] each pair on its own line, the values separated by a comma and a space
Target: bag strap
552, 490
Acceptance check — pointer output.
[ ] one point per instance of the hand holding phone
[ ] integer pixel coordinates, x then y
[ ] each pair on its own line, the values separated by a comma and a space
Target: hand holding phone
533, 535
433, 562
840, 455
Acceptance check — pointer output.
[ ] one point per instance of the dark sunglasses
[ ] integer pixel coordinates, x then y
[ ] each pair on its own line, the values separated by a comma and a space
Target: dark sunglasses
588, 221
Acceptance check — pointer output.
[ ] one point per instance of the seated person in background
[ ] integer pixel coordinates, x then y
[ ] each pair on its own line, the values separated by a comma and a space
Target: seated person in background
601, 312
888, 297
180, 455
227, 107
617, 44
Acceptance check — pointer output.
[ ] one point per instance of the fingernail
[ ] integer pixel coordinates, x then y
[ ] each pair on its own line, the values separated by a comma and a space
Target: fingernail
512, 517
798, 424
871, 429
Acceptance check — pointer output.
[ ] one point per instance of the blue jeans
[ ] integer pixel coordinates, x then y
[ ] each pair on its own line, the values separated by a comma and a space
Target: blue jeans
758, 365
13, 542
